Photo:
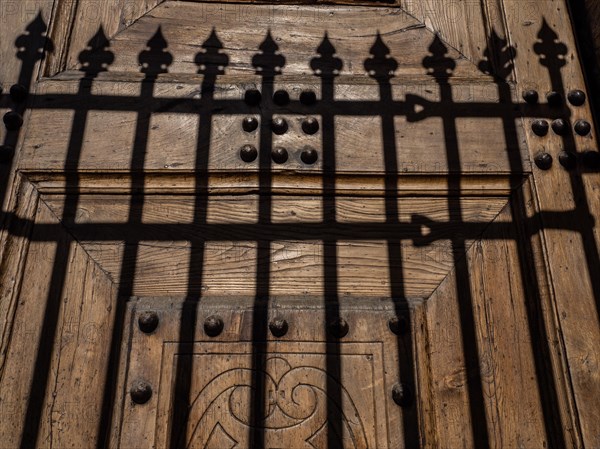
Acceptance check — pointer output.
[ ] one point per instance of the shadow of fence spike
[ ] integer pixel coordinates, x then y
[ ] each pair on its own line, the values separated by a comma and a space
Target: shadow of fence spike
269, 63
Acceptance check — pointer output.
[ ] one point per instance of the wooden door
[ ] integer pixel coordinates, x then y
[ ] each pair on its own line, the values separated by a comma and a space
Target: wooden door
362, 225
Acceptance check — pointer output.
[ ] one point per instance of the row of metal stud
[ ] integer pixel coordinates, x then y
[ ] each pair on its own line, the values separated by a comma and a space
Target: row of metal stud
141, 390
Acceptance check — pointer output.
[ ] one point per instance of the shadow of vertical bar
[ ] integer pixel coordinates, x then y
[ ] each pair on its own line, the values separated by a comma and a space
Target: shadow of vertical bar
212, 62
327, 66
268, 64
93, 62
499, 63
381, 67
154, 61
441, 67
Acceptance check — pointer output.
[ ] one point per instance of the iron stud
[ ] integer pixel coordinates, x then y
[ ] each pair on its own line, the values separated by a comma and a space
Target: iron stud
279, 125
310, 125
543, 160
591, 159
148, 321
213, 325
560, 126
140, 392
278, 327
18, 93
576, 97
401, 395
249, 124
398, 325
309, 155
252, 97
338, 327
531, 96
567, 159
583, 127
540, 127
281, 98
13, 120
554, 99
279, 155
308, 97
248, 153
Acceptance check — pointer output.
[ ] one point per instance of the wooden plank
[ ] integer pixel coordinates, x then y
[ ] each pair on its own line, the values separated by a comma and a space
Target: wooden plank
368, 354
419, 145
508, 371
449, 378
572, 255
463, 24
71, 410
296, 258
13, 254
352, 30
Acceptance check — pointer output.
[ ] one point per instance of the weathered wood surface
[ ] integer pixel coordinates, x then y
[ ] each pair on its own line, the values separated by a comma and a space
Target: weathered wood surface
504, 338
297, 255
219, 390
358, 140
55, 366
572, 255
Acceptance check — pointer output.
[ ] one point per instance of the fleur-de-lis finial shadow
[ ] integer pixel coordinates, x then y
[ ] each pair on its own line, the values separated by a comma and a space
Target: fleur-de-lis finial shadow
156, 59
499, 57
268, 62
211, 61
33, 45
438, 64
552, 52
96, 57
381, 65
327, 65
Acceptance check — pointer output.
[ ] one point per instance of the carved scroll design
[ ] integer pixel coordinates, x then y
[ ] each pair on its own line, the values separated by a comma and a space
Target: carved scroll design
295, 415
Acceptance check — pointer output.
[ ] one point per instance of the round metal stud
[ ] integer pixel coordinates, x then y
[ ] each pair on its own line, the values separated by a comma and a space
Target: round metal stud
543, 160
213, 325
141, 392
6, 154
591, 159
567, 159
338, 327
540, 127
398, 325
13, 120
308, 97
576, 97
279, 155
148, 321
310, 125
309, 155
582, 127
281, 98
278, 327
18, 93
248, 153
401, 395
560, 126
279, 125
252, 97
531, 96
554, 99
249, 124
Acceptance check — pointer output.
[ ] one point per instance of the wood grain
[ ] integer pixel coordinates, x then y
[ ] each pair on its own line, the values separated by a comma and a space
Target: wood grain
572, 258
296, 254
